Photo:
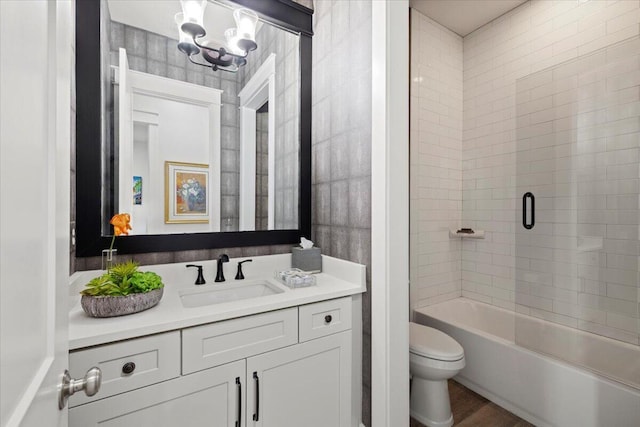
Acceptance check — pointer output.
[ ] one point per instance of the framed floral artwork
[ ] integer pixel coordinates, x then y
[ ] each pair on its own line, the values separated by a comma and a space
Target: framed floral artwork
186, 193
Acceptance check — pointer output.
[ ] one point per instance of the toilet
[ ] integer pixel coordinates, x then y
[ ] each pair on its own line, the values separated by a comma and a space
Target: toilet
434, 357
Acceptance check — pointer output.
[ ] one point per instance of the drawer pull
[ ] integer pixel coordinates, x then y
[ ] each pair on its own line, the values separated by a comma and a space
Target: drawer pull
128, 368
328, 318
256, 414
239, 416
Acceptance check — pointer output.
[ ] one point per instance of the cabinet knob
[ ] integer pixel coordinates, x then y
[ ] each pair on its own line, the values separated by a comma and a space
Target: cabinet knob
128, 368
328, 318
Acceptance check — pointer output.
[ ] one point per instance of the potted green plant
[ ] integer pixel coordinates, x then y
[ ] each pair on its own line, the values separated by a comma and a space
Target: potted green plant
123, 289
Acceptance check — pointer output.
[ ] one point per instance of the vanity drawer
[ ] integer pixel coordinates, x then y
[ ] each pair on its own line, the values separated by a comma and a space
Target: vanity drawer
127, 365
324, 318
218, 343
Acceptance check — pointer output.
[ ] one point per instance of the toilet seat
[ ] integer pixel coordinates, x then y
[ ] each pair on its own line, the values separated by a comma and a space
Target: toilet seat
433, 344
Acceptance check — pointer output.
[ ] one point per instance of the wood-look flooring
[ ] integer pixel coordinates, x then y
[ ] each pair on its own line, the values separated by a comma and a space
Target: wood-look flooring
472, 410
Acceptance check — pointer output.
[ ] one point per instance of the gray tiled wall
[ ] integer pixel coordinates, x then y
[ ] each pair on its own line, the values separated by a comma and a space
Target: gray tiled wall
262, 170
94, 263
285, 107
342, 145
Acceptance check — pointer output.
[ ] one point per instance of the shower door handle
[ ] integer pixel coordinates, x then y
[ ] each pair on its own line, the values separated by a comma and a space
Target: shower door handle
528, 205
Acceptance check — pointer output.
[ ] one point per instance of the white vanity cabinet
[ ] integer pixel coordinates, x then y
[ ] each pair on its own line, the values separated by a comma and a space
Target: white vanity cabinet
208, 398
289, 367
304, 385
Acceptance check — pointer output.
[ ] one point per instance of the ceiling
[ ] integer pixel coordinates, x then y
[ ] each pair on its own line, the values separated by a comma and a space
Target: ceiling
464, 16
460, 16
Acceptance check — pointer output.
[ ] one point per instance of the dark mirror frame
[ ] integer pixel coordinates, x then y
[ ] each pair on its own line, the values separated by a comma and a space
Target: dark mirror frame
89, 239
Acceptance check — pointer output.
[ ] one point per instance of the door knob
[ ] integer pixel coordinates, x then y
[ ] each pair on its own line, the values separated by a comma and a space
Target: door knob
90, 384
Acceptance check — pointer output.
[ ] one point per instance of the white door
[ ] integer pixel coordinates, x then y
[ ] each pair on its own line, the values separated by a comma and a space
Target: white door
35, 122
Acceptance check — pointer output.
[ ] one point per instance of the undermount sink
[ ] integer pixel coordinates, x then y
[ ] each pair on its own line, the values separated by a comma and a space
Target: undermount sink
217, 294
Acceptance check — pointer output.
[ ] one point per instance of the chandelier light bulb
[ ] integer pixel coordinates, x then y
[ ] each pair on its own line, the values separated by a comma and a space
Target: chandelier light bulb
231, 35
183, 37
193, 11
186, 44
246, 21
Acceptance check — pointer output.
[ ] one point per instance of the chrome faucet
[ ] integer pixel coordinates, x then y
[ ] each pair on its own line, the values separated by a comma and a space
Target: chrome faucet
219, 273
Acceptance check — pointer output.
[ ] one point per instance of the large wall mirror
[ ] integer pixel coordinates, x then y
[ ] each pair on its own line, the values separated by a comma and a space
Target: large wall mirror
201, 157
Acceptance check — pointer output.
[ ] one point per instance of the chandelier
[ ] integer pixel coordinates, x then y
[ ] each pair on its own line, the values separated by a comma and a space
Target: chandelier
240, 40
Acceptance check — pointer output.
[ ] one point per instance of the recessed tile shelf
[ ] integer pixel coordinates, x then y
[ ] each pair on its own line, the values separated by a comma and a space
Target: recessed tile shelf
474, 234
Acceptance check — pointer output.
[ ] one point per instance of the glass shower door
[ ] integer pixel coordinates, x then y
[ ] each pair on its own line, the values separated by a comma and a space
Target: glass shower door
577, 183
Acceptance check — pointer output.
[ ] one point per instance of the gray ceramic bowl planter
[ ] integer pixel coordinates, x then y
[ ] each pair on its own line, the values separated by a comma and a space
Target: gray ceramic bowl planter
112, 306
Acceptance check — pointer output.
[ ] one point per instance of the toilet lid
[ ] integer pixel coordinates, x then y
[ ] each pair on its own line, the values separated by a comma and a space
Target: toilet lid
432, 343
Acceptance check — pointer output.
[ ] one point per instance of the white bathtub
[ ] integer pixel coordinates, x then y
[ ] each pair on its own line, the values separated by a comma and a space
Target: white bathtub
548, 374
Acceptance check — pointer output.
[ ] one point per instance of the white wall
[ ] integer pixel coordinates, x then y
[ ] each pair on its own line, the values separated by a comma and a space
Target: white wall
436, 161
389, 213
519, 45
140, 213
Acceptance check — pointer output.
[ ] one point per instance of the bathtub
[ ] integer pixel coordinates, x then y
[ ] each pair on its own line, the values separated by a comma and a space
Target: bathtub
548, 374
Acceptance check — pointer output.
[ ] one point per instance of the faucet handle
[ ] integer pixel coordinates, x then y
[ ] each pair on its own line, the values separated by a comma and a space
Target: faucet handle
200, 280
239, 275
220, 272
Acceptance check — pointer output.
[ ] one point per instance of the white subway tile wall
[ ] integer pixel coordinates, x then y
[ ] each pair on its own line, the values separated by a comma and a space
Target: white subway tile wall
436, 161
552, 106
580, 261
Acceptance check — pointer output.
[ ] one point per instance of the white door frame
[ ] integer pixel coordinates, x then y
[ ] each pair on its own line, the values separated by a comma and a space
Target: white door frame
390, 214
125, 134
258, 90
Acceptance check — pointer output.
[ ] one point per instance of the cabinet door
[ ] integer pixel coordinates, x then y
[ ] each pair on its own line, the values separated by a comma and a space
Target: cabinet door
308, 384
208, 398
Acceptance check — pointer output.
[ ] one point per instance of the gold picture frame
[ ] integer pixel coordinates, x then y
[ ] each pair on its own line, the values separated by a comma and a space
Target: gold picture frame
187, 195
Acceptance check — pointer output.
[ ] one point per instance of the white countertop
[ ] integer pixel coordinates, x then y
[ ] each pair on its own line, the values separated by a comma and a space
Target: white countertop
339, 278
